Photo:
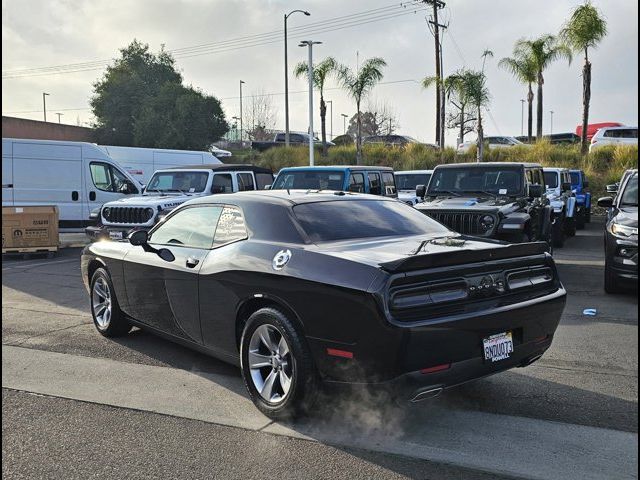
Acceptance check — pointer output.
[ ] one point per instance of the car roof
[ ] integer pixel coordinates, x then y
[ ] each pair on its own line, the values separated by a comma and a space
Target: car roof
491, 164
623, 127
337, 167
221, 166
287, 197
555, 169
413, 172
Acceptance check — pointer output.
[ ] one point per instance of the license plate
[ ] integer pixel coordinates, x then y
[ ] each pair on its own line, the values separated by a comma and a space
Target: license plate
498, 347
115, 235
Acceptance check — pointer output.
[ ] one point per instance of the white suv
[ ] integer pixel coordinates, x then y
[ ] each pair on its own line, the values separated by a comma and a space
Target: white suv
493, 142
614, 136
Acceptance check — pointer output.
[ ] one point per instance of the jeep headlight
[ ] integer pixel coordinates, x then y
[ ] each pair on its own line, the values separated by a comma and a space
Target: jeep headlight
622, 231
149, 213
487, 222
106, 212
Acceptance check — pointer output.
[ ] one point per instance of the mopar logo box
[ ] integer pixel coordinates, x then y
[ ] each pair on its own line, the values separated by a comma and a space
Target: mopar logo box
28, 228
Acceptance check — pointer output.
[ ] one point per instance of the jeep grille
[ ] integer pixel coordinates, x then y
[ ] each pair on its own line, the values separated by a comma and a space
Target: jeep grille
127, 215
467, 223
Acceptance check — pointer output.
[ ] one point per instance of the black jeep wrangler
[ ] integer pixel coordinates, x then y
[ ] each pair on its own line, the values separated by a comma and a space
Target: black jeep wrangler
504, 201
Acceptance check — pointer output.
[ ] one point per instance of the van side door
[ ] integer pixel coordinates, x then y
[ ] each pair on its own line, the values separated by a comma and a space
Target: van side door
7, 173
104, 183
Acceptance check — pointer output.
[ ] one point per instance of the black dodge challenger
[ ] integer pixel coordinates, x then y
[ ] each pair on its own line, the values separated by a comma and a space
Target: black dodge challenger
300, 287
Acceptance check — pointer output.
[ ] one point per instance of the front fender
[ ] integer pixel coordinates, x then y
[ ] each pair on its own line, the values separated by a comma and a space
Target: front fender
514, 222
571, 206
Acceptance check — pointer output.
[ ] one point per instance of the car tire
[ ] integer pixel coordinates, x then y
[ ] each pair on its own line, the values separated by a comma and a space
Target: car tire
611, 282
587, 216
571, 225
558, 233
581, 219
296, 365
108, 319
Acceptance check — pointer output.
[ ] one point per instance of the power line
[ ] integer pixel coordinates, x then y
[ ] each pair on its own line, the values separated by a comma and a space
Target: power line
336, 23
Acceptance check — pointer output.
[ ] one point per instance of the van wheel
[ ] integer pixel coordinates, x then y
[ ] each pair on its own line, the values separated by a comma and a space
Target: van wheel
107, 316
277, 366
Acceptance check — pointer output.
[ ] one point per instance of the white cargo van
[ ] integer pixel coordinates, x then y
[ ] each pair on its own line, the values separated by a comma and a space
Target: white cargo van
78, 177
140, 163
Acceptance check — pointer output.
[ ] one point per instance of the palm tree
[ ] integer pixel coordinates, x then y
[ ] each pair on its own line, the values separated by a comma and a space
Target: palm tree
321, 73
358, 85
524, 70
542, 52
584, 30
475, 89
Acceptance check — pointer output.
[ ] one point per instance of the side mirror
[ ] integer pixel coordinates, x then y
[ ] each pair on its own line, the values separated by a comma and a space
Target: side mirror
421, 191
613, 188
566, 186
605, 202
585, 184
535, 191
138, 238
267, 187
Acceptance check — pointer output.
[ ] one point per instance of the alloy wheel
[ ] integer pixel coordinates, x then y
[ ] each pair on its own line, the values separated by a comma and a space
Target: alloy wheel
271, 364
101, 302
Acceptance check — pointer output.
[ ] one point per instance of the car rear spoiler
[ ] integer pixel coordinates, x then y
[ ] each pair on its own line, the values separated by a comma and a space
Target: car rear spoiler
444, 259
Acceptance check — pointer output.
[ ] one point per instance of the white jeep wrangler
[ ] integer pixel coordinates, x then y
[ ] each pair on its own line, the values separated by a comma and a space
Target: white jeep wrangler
169, 188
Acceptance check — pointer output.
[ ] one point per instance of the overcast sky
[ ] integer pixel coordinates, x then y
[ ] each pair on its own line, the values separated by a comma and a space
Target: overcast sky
45, 33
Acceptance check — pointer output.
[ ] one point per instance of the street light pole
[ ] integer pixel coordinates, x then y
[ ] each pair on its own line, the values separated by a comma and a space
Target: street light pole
44, 105
309, 44
344, 123
59, 115
521, 117
235, 126
241, 82
286, 77
551, 126
330, 102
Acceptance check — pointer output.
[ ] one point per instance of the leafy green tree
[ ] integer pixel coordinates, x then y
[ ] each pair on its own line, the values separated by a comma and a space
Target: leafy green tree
139, 85
585, 29
524, 70
542, 52
321, 73
358, 85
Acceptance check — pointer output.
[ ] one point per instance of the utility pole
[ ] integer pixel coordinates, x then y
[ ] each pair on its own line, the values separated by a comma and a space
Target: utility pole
235, 125
330, 102
551, 127
241, 82
286, 77
44, 105
437, 5
344, 123
309, 44
59, 115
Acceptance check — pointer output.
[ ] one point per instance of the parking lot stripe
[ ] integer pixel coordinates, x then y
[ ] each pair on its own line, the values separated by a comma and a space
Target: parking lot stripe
523, 447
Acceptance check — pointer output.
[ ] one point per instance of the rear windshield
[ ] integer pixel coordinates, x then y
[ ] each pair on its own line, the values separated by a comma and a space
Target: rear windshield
409, 181
551, 179
310, 180
346, 220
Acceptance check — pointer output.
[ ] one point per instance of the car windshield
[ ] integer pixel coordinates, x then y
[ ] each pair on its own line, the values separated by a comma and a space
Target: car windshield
630, 195
186, 182
551, 179
346, 220
472, 179
575, 178
310, 180
409, 181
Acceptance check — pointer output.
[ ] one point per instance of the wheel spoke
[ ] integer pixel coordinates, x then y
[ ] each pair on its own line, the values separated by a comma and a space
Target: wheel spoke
265, 336
283, 347
257, 360
267, 388
99, 308
101, 290
285, 382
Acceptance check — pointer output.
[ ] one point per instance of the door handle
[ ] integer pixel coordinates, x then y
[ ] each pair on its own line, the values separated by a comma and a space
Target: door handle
92, 196
192, 262
75, 195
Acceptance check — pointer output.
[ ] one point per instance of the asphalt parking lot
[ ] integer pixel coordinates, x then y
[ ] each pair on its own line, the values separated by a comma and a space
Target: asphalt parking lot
77, 405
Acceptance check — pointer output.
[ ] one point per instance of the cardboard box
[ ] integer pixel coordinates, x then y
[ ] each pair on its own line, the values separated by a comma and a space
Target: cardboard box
25, 228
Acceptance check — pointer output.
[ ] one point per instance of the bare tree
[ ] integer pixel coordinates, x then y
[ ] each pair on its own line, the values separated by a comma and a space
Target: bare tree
378, 119
259, 116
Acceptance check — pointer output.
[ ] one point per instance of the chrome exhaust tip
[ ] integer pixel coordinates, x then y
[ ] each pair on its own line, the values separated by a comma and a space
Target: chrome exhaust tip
426, 394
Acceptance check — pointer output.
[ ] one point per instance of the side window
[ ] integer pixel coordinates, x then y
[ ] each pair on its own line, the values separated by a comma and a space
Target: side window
230, 227
119, 180
245, 182
389, 183
374, 183
101, 176
222, 183
191, 227
263, 180
610, 133
356, 182
531, 178
280, 137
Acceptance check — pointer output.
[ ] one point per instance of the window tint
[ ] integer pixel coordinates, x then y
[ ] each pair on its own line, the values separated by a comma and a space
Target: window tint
280, 137
374, 183
230, 227
310, 180
389, 183
245, 182
101, 176
191, 227
551, 179
356, 182
476, 179
610, 133
222, 183
263, 180
335, 220
191, 182
628, 133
